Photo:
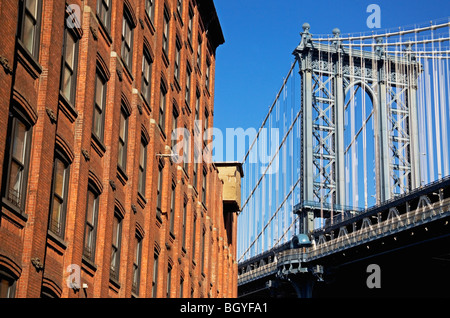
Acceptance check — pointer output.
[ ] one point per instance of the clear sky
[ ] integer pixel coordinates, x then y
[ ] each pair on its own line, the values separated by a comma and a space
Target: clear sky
260, 36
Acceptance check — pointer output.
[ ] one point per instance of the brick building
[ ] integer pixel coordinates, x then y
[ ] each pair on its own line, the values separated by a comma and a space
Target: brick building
93, 201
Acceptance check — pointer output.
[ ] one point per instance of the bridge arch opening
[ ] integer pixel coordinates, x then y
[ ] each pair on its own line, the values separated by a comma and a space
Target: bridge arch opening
360, 144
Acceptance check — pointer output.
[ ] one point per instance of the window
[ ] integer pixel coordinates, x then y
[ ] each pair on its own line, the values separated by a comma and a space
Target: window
137, 265
199, 52
7, 286
194, 229
174, 125
155, 275
197, 108
203, 250
206, 126
204, 187
115, 250
147, 64
172, 208
142, 166
190, 25
183, 239
177, 61
59, 200
162, 108
166, 32
69, 67
104, 12
99, 108
18, 158
169, 280
186, 149
195, 171
181, 287
180, 7
30, 26
123, 140
159, 191
91, 225
150, 9
208, 74
187, 97
127, 40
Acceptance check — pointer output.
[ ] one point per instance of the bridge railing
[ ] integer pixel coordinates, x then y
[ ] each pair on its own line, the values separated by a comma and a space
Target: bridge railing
390, 226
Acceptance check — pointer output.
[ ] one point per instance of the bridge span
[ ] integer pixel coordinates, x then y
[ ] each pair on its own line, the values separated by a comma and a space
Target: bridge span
407, 237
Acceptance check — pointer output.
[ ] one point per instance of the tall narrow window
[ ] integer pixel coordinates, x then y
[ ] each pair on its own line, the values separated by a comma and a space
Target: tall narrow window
169, 280
190, 25
180, 7
31, 26
177, 61
172, 208
174, 124
197, 111
104, 13
19, 145
115, 249
162, 108
208, 74
91, 225
99, 108
142, 166
123, 140
199, 52
165, 44
187, 96
183, 239
186, 149
181, 287
194, 229
147, 64
159, 191
59, 201
204, 187
127, 40
137, 265
203, 250
150, 9
7, 286
69, 67
206, 126
155, 275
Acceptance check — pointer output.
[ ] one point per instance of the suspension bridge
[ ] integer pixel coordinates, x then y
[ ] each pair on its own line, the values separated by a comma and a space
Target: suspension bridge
350, 165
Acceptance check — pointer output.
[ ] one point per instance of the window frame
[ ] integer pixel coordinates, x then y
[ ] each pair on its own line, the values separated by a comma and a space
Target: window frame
36, 27
166, 32
123, 143
142, 178
114, 273
66, 163
146, 83
137, 262
90, 255
100, 7
64, 67
14, 118
162, 107
127, 21
99, 76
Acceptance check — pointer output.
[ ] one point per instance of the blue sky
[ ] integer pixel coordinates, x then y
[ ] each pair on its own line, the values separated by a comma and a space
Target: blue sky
260, 36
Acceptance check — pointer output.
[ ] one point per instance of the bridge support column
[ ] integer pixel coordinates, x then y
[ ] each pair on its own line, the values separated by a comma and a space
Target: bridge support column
383, 168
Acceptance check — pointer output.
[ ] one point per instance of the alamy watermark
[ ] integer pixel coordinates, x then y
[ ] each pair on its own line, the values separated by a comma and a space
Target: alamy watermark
374, 19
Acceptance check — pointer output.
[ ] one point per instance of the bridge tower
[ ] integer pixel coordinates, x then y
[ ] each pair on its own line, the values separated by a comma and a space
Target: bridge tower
330, 72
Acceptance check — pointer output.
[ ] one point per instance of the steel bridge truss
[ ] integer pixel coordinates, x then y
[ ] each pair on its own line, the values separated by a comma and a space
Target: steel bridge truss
330, 72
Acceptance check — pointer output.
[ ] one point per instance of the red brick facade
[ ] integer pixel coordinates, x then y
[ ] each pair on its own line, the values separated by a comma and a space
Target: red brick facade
63, 190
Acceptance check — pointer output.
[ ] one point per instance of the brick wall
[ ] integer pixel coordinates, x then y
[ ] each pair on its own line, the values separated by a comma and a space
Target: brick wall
30, 252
